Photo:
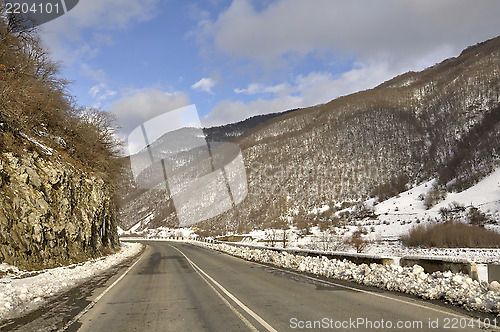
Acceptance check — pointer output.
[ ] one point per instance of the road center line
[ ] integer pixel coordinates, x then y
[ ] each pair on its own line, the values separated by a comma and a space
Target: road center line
226, 302
228, 294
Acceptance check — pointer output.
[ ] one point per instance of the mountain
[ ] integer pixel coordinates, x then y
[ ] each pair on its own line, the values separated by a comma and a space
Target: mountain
153, 207
442, 122
231, 131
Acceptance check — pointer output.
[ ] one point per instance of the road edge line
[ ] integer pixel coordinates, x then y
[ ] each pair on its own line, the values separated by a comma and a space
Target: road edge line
91, 304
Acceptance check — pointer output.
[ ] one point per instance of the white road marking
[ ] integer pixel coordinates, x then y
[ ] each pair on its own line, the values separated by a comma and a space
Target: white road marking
331, 283
87, 308
228, 294
226, 302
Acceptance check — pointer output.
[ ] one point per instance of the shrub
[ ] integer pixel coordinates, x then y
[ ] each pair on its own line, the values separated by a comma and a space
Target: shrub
451, 235
434, 196
477, 217
357, 241
394, 187
362, 211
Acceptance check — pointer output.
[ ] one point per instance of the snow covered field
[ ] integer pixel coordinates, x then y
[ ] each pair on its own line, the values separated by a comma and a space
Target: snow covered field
399, 214
396, 217
22, 291
455, 288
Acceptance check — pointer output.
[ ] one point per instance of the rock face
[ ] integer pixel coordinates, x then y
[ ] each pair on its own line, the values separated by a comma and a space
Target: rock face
52, 213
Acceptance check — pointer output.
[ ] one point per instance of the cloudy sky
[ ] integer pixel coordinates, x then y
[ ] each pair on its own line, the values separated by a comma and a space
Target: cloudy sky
238, 58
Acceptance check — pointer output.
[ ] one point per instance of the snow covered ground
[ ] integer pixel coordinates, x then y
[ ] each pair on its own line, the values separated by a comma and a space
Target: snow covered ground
162, 232
456, 288
22, 291
397, 215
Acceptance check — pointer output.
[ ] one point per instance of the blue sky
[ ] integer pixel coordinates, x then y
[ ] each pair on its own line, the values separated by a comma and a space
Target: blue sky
237, 58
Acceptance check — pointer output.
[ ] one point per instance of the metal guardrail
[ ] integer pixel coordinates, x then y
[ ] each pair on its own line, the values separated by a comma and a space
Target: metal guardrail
355, 258
429, 264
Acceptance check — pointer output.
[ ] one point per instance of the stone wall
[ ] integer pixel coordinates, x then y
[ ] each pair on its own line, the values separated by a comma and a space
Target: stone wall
52, 213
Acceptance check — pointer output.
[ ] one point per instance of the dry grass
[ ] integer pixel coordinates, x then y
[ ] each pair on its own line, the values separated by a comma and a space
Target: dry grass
451, 235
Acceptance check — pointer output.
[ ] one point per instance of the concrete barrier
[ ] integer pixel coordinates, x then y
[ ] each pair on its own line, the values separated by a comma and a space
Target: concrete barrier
494, 272
431, 265
355, 258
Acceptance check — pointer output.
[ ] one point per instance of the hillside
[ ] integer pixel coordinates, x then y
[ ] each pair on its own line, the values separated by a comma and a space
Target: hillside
58, 164
149, 206
440, 123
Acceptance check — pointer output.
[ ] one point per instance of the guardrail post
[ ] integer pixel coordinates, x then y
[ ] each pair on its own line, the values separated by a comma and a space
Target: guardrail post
493, 272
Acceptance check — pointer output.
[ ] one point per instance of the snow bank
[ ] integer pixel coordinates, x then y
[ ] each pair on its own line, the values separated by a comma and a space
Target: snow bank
24, 291
456, 288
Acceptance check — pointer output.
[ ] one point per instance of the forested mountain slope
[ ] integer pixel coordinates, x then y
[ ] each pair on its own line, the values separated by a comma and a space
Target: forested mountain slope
442, 122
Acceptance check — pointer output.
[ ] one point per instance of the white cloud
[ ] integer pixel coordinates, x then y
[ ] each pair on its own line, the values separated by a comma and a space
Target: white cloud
228, 111
138, 106
94, 90
366, 29
102, 16
205, 84
380, 39
102, 95
252, 89
256, 88
303, 91
98, 75
101, 92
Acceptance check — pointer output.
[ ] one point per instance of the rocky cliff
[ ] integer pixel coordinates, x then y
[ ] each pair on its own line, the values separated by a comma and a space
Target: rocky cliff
52, 213
58, 163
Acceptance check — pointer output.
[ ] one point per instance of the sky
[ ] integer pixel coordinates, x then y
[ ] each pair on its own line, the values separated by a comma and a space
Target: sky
234, 59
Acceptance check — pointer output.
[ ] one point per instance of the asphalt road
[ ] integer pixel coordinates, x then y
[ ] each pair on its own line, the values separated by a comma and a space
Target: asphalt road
180, 287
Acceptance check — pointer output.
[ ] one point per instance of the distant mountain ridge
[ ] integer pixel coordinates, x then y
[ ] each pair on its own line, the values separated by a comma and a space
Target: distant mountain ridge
158, 203
231, 131
441, 122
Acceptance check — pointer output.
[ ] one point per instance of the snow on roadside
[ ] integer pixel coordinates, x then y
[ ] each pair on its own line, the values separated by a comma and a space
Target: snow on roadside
456, 288
20, 292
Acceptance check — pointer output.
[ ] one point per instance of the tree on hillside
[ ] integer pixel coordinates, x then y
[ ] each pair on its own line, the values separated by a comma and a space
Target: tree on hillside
35, 101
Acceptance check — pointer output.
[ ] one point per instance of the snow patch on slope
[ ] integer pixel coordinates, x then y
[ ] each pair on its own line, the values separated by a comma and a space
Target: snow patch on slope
399, 214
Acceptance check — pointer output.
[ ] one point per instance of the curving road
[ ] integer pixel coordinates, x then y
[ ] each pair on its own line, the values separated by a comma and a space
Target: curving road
180, 287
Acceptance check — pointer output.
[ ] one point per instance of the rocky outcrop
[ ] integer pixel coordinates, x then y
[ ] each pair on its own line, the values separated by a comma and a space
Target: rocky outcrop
52, 213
